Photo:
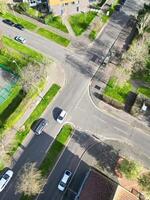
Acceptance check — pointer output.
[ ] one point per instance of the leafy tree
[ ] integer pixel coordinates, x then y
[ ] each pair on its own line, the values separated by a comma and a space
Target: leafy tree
22, 7
32, 75
30, 181
130, 169
143, 24
3, 7
144, 182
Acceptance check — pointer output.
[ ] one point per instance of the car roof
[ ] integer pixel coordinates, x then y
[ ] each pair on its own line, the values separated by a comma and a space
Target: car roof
63, 113
2, 180
65, 177
9, 172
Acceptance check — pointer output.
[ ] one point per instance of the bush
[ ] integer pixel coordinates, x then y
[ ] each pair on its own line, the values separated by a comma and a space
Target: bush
130, 169
144, 182
22, 7
92, 35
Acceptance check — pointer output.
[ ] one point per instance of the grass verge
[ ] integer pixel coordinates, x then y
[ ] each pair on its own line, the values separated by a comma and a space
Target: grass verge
54, 153
40, 108
28, 25
81, 21
22, 49
55, 150
53, 37
116, 91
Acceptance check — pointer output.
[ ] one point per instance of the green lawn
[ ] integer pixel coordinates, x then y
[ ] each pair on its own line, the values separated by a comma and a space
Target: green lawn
53, 36
40, 108
22, 49
55, 150
81, 21
116, 91
28, 25
145, 91
56, 22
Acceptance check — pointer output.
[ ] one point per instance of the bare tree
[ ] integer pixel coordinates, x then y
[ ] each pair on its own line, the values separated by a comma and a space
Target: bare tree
32, 75
144, 23
30, 181
136, 56
3, 6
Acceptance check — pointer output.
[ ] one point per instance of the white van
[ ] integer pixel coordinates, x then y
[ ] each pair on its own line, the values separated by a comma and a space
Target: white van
5, 179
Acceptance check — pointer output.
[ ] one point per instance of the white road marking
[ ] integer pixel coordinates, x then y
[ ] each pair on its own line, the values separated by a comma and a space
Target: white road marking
120, 130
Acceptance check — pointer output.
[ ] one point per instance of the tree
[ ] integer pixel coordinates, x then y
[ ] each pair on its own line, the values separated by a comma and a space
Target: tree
31, 76
3, 6
130, 169
143, 24
144, 182
30, 181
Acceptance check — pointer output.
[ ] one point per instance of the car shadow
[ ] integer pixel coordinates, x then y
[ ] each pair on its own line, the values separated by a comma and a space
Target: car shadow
56, 112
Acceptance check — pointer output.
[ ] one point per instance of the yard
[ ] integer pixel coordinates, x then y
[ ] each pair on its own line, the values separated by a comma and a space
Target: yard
116, 91
81, 21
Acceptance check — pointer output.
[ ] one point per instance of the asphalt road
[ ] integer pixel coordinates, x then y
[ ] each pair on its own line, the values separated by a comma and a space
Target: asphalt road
75, 100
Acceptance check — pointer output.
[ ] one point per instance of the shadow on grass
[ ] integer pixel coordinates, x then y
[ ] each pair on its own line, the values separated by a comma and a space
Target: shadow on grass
12, 107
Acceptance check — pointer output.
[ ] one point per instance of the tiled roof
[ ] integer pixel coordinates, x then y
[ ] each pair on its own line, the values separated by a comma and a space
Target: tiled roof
97, 187
122, 194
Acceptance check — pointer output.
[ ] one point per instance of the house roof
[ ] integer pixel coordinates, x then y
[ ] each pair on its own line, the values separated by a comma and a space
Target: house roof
122, 194
97, 186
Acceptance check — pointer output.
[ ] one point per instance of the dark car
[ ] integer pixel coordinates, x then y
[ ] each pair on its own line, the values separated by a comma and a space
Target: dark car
39, 126
19, 26
9, 22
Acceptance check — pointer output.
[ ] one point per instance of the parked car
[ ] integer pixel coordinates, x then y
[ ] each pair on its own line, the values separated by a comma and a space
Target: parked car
61, 116
9, 22
19, 26
63, 183
39, 126
20, 39
5, 179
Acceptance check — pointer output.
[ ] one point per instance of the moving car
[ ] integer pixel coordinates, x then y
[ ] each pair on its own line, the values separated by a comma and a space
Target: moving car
5, 179
61, 116
20, 39
39, 126
63, 183
19, 26
9, 22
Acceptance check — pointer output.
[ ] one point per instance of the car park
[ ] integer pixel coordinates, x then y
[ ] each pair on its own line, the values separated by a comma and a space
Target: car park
9, 22
4, 180
61, 116
39, 126
20, 39
19, 26
64, 181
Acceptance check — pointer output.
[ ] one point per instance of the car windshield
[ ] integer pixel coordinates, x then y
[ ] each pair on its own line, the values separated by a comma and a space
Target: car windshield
62, 184
5, 176
60, 117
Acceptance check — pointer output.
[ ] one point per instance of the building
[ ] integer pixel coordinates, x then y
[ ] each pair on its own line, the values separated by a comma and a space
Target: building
97, 186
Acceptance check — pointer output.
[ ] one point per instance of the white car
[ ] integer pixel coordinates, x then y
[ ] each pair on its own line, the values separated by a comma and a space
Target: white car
20, 39
62, 184
5, 179
61, 116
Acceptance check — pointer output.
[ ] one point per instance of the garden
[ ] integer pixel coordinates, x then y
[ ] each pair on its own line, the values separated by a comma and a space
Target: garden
133, 73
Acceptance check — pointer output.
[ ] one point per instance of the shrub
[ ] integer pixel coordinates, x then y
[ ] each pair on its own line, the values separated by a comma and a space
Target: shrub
144, 182
130, 169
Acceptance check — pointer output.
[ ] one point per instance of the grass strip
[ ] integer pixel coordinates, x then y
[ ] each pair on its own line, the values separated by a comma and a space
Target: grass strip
22, 48
53, 37
28, 25
40, 108
53, 154
56, 149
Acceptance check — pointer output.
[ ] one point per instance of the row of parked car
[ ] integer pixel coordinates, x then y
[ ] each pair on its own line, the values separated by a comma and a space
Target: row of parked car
38, 129
11, 23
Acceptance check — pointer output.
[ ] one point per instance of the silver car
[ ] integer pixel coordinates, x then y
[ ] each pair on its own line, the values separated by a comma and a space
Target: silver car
20, 39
